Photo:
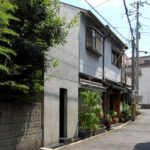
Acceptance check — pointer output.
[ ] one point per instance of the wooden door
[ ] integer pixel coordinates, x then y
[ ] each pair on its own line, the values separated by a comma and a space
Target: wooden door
116, 102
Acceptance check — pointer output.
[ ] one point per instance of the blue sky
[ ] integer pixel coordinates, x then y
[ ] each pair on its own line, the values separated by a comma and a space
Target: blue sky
114, 12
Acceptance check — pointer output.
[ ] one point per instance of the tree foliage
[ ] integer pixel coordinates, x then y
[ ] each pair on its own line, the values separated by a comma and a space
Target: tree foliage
39, 27
6, 33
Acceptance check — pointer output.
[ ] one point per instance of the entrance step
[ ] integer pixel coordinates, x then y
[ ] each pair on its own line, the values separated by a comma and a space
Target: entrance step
56, 145
65, 140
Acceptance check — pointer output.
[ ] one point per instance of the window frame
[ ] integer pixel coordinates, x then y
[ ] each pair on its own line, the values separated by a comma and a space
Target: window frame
117, 55
94, 39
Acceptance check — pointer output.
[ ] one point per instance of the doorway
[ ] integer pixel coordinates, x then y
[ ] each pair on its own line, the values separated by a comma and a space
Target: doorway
63, 113
111, 106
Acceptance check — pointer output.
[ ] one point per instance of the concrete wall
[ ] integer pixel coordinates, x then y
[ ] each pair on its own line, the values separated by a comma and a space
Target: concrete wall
144, 85
20, 126
111, 71
64, 76
90, 63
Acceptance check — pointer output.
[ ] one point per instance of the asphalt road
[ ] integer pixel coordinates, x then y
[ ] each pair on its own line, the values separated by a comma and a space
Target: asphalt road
134, 136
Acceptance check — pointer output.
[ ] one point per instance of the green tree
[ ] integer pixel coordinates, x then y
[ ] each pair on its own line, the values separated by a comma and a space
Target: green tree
6, 14
40, 27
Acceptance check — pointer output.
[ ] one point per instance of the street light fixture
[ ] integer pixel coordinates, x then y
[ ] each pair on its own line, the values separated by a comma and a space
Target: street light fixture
146, 52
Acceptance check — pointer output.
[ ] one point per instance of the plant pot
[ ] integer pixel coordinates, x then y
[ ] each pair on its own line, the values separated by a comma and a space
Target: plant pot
108, 125
85, 133
100, 131
116, 121
123, 120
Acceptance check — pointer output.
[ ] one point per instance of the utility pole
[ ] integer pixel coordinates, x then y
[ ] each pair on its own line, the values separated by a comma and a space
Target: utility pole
133, 81
137, 51
133, 64
138, 4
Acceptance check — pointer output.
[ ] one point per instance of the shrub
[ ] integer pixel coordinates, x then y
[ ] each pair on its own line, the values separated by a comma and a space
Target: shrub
108, 118
126, 112
91, 112
113, 113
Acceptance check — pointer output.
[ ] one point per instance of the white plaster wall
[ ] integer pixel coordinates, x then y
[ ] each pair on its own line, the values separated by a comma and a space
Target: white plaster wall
90, 63
144, 85
111, 71
64, 76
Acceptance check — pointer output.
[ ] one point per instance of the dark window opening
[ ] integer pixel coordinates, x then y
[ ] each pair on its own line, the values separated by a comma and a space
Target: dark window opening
63, 113
93, 40
111, 106
116, 59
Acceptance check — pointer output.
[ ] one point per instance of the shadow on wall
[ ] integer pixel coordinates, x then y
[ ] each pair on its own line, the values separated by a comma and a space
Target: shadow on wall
142, 146
20, 126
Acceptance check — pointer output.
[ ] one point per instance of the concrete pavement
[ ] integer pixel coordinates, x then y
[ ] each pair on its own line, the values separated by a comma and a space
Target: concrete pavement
134, 136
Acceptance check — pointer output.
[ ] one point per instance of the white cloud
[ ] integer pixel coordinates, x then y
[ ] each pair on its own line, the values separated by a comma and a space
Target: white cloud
102, 3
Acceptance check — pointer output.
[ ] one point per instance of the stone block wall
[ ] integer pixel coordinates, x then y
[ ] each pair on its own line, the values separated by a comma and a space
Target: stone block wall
20, 126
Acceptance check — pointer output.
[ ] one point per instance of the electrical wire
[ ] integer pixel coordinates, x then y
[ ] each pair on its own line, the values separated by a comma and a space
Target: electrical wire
105, 20
102, 3
126, 10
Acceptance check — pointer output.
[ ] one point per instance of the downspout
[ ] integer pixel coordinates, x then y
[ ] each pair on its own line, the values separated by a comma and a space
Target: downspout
104, 55
106, 96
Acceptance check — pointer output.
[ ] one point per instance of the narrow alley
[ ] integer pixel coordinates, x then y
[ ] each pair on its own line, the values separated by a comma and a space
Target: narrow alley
134, 136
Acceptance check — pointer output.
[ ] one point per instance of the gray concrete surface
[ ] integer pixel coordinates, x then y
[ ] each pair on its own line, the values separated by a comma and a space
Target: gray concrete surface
134, 136
63, 76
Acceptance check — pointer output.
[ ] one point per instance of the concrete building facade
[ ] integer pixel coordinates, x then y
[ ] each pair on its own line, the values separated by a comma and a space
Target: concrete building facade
61, 91
144, 87
89, 60
144, 80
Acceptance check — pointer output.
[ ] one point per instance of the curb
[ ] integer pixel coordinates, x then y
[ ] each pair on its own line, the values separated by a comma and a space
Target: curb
106, 132
44, 148
120, 126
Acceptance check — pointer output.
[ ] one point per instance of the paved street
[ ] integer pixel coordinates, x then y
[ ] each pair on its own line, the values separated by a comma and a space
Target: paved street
134, 136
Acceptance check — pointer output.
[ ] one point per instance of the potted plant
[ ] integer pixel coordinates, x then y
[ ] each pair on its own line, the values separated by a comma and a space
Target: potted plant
126, 112
113, 115
122, 119
116, 120
90, 114
108, 121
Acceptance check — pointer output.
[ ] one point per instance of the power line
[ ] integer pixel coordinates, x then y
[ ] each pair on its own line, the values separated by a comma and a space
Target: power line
145, 25
101, 3
147, 3
146, 18
126, 10
105, 20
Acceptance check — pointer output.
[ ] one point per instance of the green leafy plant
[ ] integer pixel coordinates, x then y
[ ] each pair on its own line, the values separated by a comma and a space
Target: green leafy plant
116, 120
40, 27
6, 33
108, 121
91, 112
126, 112
113, 113
108, 118
137, 112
